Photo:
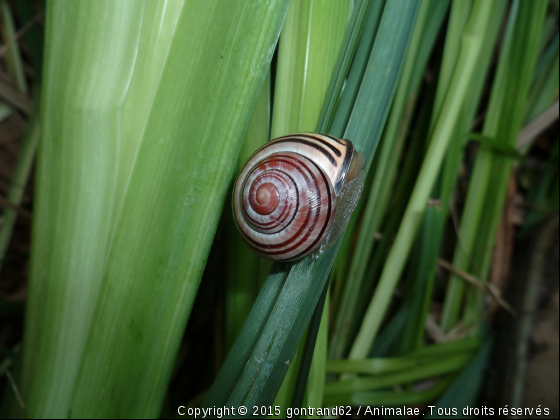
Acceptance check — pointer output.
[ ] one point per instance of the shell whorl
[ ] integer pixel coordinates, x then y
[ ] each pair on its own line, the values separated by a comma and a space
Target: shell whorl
285, 196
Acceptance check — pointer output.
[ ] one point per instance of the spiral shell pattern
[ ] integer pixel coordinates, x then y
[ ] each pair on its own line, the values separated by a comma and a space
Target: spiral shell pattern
285, 197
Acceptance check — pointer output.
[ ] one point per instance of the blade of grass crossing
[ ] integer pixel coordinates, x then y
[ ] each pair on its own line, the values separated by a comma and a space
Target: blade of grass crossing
379, 366
388, 399
13, 55
425, 370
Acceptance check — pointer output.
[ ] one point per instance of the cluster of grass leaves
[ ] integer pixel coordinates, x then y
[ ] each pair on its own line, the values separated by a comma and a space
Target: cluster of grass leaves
142, 130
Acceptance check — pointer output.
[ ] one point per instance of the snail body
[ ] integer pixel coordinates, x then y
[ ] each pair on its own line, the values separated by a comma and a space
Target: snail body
296, 193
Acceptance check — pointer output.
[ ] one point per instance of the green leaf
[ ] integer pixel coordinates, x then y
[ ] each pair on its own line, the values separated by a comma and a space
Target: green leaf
141, 128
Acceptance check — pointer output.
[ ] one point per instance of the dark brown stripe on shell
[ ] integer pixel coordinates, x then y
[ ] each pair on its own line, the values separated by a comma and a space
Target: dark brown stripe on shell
314, 145
326, 143
334, 138
325, 224
308, 232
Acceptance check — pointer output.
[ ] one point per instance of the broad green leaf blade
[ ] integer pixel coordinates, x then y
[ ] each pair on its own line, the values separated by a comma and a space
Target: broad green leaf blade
75, 189
189, 150
142, 252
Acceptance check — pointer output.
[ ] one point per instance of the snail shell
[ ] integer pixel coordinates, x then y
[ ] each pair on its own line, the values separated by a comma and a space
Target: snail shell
296, 193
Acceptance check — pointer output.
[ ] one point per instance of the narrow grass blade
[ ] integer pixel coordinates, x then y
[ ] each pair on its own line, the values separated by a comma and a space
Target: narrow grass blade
380, 366
13, 54
309, 353
352, 38
357, 69
419, 285
317, 374
426, 370
384, 400
545, 86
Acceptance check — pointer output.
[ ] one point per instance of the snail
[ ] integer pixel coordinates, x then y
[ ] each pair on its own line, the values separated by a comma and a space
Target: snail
295, 195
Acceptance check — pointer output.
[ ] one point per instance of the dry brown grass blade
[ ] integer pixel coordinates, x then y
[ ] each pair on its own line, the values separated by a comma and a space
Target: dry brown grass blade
479, 284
